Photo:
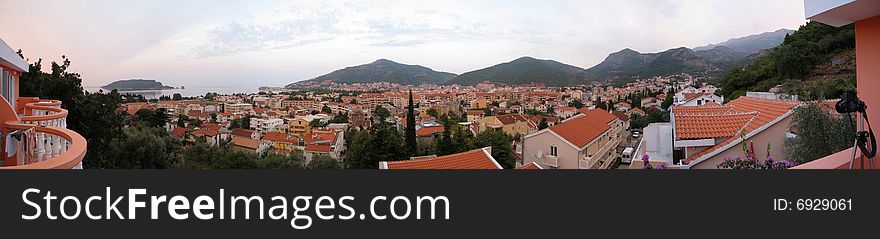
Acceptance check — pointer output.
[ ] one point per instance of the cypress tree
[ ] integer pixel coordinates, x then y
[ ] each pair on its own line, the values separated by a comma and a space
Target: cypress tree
410, 143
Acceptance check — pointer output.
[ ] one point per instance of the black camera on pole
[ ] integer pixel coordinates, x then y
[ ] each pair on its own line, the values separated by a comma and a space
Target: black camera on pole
850, 103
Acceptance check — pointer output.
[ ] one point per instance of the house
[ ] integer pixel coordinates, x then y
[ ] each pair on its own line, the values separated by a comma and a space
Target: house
512, 124
475, 160
706, 135
280, 142
323, 143
300, 126
475, 116
209, 136
700, 99
246, 133
246, 144
426, 133
586, 141
566, 112
551, 121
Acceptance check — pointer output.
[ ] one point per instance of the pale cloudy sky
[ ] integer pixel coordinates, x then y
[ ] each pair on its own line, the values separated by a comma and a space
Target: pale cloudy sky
215, 43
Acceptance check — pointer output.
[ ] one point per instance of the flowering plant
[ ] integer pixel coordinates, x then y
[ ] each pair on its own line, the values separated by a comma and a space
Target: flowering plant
647, 164
752, 163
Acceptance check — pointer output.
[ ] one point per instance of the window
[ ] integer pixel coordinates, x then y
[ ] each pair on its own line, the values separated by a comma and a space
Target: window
699, 102
554, 151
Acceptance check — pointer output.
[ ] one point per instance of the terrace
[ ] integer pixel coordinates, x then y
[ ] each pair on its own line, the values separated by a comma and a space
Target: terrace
865, 14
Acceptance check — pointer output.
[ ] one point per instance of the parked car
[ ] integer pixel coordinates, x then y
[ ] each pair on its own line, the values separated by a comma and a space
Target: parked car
626, 156
636, 135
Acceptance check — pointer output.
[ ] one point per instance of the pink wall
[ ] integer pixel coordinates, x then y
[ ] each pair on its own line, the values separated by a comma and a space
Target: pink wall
868, 66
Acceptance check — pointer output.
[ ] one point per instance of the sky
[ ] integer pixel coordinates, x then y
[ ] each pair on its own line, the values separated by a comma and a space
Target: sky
234, 43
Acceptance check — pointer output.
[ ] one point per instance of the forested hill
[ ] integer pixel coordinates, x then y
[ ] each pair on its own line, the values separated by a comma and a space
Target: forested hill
795, 65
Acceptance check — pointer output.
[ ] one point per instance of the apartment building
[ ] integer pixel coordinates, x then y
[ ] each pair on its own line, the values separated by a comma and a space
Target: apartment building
586, 141
267, 124
238, 108
512, 124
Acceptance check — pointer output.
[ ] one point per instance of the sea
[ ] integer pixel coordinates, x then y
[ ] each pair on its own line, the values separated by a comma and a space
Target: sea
187, 92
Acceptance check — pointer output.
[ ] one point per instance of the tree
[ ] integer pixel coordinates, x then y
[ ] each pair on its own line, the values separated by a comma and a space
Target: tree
177, 96
501, 146
323, 162
151, 118
143, 147
543, 124
326, 109
819, 134
367, 148
576, 104
92, 115
670, 97
340, 118
182, 120
433, 112
382, 112
410, 143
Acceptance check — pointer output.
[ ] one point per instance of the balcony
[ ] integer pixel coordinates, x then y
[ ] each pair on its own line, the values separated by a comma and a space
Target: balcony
600, 158
839, 160
38, 137
551, 161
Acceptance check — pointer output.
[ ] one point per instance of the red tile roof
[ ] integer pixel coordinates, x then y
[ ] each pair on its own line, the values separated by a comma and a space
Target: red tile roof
598, 115
242, 132
205, 132
474, 159
583, 129
429, 131
761, 112
280, 137
245, 142
318, 148
179, 131
514, 118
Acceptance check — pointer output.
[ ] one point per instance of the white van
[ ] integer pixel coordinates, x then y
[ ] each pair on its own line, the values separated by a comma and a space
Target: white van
626, 156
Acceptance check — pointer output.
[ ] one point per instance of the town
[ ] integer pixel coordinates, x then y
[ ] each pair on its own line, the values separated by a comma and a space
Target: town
579, 127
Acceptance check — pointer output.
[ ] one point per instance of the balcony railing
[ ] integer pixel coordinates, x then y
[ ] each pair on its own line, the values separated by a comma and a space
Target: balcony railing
40, 140
45, 114
594, 162
551, 161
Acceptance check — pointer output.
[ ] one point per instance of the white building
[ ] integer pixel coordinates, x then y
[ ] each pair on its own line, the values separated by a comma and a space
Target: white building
266, 125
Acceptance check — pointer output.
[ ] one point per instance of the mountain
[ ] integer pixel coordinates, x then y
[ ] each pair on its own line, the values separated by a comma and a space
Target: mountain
136, 84
628, 64
752, 44
525, 70
384, 71
722, 56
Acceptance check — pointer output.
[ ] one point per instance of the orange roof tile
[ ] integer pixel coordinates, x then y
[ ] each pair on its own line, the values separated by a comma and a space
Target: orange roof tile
318, 148
582, 129
205, 132
598, 115
474, 159
179, 131
429, 131
245, 142
764, 112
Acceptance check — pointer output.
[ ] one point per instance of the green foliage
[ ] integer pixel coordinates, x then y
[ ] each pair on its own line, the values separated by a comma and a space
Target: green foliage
670, 97
323, 162
578, 104
382, 112
151, 118
410, 138
501, 146
340, 118
543, 124
366, 148
142, 147
524, 71
819, 134
813, 44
